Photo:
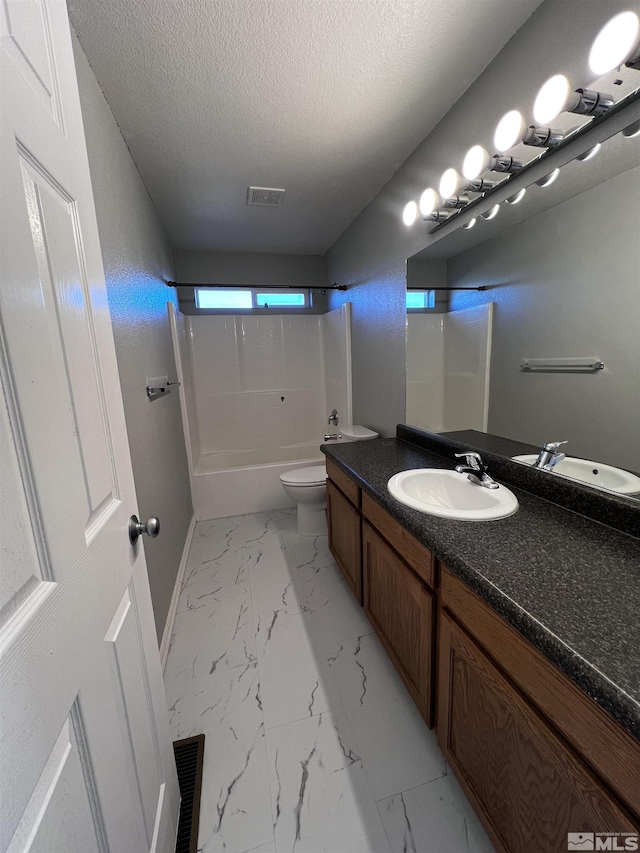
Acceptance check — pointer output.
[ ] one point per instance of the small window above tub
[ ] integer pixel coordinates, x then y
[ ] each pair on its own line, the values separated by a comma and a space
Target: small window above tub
420, 300
223, 299
283, 299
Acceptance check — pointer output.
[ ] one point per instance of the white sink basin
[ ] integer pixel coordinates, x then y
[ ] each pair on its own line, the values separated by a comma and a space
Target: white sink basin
451, 495
593, 473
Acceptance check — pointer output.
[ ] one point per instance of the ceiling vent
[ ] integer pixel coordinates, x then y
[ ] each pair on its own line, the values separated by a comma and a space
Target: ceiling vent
264, 196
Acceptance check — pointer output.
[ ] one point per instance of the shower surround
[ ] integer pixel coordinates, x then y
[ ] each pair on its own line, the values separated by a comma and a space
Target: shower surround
255, 393
448, 369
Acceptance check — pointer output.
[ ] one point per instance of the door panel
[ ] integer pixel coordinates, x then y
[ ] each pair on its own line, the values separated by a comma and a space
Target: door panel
136, 713
60, 806
25, 565
26, 41
55, 231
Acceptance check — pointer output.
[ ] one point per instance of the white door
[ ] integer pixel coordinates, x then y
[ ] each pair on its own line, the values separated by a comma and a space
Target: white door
86, 762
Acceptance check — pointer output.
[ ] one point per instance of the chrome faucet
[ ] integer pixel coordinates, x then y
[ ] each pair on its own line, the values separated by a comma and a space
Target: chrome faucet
549, 457
475, 469
333, 418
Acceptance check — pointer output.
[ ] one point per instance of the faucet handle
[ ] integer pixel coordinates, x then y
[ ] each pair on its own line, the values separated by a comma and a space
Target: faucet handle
552, 446
473, 460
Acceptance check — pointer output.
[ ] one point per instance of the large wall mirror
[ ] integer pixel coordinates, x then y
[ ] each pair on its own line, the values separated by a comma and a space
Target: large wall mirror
562, 274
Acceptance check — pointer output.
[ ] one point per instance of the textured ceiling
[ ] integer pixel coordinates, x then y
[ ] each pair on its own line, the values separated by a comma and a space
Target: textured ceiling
324, 98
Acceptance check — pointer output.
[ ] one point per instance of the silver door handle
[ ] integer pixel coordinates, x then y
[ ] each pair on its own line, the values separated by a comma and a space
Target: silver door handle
136, 528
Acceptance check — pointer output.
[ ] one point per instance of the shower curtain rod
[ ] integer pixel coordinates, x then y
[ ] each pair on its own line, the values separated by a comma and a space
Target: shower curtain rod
261, 286
482, 287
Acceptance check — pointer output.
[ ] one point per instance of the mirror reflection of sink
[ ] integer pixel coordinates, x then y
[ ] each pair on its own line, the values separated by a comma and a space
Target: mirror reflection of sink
593, 473
449, 494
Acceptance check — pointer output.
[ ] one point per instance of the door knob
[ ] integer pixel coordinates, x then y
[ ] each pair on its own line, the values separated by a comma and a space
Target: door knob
136, 528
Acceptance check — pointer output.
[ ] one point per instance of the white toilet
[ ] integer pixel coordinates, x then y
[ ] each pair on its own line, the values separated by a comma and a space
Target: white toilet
307, 486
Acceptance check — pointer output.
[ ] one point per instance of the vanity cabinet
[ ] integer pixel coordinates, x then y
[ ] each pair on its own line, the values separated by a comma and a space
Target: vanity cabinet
536, 756
516, 745
344, 526
401, 610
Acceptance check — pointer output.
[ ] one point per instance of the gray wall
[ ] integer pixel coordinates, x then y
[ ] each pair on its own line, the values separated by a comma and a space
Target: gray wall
248, 268
137, 260
370, 256
566, 283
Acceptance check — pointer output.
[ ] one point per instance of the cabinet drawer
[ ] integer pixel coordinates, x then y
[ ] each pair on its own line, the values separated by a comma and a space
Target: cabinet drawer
344, 483
605, 745
419, 558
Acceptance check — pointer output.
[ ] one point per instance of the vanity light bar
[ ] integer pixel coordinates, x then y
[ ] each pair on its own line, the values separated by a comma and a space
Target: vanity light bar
478, 186
439, 216
504, 163
542, 137
456, 201
553, 98
621, 106
585, 102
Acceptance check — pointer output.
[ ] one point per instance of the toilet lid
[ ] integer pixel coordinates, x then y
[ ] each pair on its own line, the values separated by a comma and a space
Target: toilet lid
358, 433
312, 476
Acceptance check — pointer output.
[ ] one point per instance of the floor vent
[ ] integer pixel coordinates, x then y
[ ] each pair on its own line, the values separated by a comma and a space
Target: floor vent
189, 754
264, 196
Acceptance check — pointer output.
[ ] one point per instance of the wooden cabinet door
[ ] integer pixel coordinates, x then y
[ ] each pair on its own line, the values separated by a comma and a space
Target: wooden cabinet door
401, 610
345, 540
528, 786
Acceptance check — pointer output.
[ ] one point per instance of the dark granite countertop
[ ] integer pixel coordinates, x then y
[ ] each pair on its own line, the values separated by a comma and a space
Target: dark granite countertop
566, 582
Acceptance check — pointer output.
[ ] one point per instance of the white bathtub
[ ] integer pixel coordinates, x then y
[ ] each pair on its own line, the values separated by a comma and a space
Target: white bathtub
242, 482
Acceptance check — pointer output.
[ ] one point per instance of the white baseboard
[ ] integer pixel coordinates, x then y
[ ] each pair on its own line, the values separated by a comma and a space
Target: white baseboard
173, 607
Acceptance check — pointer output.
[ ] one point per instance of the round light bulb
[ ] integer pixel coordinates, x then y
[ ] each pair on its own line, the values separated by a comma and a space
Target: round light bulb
514, 199
449, 183
491, 213
551, 99
614, 43
410, 213
509, 131
429, 200
469, 224
548, 179
476, 162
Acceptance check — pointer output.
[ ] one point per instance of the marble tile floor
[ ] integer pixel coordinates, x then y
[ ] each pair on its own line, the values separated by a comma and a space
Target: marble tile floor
312, 742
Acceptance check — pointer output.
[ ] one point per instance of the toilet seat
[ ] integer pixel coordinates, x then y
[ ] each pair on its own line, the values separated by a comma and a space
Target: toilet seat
314, 475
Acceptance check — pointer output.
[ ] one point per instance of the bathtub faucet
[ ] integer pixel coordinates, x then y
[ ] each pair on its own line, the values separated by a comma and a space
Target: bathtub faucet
333, 418
333, 437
